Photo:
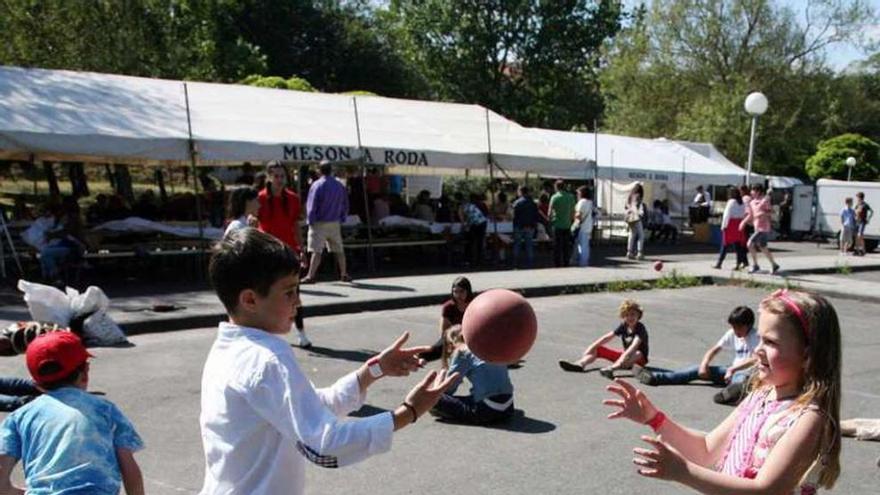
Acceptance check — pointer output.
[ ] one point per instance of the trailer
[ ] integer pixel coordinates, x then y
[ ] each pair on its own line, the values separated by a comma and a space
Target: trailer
816, 208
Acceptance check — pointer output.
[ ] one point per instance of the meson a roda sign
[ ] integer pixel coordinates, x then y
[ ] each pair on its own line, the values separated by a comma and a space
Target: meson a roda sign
305, 153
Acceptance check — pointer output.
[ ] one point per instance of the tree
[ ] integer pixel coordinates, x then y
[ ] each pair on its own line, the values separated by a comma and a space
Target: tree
153, 38
535, 61
684, 67
829, 162
293, 83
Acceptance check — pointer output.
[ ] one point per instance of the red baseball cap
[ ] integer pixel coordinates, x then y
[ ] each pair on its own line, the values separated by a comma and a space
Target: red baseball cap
63, 348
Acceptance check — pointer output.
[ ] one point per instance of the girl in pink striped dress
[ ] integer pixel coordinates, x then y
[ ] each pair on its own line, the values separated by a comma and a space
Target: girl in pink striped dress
783, 438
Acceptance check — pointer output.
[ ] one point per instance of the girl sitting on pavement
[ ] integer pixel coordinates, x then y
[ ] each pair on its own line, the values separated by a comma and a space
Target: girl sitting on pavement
451, 314
634, 337
783, 438
491, 397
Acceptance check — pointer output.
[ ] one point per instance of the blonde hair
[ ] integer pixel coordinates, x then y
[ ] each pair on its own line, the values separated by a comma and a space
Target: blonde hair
821, 379
452, 339
630, 305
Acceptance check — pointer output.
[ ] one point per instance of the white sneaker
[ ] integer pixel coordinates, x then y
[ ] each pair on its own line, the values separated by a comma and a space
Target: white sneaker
302, 341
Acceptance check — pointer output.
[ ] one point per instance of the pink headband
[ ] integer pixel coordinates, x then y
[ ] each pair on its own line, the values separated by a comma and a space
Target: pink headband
782, 295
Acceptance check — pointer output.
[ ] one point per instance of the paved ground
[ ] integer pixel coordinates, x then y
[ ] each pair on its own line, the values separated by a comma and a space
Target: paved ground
870, 276
562, 444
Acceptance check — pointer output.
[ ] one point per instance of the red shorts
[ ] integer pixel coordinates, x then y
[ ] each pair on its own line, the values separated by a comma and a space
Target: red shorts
613, 355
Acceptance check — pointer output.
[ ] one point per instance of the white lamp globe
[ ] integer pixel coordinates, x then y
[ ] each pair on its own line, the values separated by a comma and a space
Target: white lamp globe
851, 162
756, 104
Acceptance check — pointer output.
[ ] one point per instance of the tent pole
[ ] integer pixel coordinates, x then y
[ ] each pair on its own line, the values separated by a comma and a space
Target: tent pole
611, 199
683, 180
192, 160
371, 261
491, 172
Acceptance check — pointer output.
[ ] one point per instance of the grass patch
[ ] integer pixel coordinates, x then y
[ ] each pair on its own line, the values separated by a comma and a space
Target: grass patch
751, 283
843, 269
676, 280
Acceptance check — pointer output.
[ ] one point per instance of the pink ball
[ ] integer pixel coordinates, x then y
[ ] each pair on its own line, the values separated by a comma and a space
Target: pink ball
658, 265
499, 326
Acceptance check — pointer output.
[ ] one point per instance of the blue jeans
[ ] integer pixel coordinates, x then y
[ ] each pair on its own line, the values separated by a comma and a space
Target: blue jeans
51, 257
524, 236
692, 373
16, 392
582, 247
465, 410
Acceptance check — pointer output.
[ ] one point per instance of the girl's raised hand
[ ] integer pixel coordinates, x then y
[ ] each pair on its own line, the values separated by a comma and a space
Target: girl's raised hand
633, 403
664, 462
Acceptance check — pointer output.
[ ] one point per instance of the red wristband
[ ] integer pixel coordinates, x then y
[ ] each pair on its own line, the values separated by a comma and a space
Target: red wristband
657, 421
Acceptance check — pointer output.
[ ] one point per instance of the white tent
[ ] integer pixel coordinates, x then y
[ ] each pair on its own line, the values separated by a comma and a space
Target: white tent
670, 170
67, 115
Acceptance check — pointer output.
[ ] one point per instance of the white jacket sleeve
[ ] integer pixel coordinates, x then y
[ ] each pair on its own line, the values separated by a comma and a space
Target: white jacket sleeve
286, 399
725, 218
344, 396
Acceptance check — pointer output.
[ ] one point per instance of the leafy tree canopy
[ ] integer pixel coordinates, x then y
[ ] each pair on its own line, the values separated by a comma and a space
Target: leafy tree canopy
829, 162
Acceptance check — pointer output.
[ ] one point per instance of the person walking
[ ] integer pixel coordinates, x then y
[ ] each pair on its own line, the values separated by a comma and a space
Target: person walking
731, 235
863, 216
634, 214
582, 227
525, 222
561, 214
758, 214
474, 224
326, 209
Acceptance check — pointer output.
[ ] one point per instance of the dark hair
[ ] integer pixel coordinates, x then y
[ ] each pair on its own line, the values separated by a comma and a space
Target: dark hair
325, 167
743, 190
758, 187
239, 199
860, 195
559, 184
464, 283
502, 196
248, 259
524, 190
584, 192
742, 315
636, 190
269, 166
735, 194
53, 367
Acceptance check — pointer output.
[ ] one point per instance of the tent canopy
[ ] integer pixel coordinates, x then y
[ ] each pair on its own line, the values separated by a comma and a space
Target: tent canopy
64, 114
623, 158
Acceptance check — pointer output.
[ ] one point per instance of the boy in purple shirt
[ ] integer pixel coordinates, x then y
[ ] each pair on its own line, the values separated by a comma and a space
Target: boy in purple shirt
326, 209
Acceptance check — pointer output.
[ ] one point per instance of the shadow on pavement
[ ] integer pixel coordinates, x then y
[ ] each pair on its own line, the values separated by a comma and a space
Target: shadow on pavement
358, 356
519, 423
382, 287
313, 292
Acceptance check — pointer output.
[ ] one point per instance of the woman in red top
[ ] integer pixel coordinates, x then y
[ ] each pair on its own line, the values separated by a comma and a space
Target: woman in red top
279, 214
451, 314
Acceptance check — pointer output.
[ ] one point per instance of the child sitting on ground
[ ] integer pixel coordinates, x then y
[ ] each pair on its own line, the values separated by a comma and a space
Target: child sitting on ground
741, 338
784, 437
491, 397
634, 337
261, 417
68, 440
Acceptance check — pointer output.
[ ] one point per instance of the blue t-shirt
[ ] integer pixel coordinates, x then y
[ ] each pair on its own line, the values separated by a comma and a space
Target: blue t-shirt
67, 441
487, 379
848, 218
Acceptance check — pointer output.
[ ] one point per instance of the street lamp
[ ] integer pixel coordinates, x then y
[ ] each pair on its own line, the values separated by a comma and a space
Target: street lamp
850, 162
756, 105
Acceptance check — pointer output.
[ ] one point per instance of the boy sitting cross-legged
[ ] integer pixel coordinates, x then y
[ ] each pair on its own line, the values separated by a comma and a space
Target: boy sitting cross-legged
261, 417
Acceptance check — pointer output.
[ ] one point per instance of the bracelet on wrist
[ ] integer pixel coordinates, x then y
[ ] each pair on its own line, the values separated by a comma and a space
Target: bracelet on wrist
657, 421
411, 409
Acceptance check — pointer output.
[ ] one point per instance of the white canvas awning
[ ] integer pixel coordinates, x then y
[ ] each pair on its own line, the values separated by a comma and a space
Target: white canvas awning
68, 115
624, 158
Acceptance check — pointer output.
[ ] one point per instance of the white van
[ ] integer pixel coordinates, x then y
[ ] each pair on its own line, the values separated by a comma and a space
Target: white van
816, 209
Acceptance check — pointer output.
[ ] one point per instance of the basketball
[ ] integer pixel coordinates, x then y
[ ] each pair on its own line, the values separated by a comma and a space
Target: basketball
499, 326
658, 265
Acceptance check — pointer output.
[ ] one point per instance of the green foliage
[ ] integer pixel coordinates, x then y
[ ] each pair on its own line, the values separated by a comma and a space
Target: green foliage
830, 158
843, 268
676, 280
683, 69
465, 185
293, 83
154, 38
359, 93
534, 61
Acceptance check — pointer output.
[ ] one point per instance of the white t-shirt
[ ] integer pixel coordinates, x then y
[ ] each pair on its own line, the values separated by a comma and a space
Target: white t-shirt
742, 347
262, 419
585, 208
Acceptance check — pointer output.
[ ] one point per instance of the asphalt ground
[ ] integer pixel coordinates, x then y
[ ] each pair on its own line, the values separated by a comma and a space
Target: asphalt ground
869, 276
561, 443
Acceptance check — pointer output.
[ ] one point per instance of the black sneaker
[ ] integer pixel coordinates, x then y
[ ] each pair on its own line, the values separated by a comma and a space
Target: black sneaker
569, 366
754, 269
607, 373
775, 269
729, 395
645, 376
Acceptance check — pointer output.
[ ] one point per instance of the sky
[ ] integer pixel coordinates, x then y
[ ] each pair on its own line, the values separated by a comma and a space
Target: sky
839, 55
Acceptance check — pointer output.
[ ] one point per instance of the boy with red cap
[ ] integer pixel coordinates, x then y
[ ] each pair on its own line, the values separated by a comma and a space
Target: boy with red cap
68, 440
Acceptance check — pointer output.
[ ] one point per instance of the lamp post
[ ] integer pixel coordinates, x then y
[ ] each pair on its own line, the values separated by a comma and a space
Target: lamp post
850, 163
756, 105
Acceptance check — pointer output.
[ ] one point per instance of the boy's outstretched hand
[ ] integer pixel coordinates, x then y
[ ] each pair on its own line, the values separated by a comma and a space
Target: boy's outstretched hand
423, 397
633, 404
399, 361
